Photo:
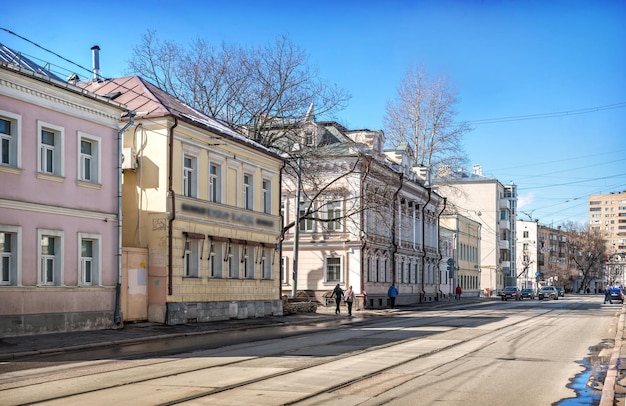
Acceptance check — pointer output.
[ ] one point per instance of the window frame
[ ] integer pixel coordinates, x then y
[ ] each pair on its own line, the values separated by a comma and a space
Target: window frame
216, 259
266, 263
57, 152
248, 191
13, 139
190, 176
215, 183
58, 265
327, 269
266, 191
96, 259
14, 256
333, 215
191, 258
305, 224
95, 164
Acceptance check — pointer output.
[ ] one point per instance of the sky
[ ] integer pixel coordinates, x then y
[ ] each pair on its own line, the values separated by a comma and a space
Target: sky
541, 83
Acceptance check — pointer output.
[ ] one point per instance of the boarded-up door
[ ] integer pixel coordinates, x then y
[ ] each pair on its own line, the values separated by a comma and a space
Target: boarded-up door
134, 298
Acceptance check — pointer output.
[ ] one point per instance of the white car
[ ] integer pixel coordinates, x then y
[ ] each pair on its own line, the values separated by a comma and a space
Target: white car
549, 292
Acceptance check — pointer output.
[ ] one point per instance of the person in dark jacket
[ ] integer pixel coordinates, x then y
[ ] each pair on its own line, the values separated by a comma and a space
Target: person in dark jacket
337, 294
392, 293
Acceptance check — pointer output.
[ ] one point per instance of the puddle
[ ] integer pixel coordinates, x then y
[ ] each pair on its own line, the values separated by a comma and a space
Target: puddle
588, 384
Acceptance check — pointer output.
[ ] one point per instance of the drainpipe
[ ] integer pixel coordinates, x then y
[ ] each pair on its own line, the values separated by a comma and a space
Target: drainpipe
424, 242
117, 319
362, 215
445, 200
170, 190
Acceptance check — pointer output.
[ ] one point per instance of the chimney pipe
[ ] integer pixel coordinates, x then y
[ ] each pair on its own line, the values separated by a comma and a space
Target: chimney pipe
95, 53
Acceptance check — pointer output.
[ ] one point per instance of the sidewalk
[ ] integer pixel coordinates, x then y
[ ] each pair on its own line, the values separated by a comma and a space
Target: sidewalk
14, 347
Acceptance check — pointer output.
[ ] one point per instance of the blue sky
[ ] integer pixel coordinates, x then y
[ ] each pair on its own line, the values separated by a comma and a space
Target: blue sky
549, 78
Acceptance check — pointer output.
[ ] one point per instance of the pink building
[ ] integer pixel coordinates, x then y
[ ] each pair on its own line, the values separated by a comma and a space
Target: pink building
58, 202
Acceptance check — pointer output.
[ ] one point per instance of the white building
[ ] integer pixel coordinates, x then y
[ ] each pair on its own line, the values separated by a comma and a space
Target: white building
493, 205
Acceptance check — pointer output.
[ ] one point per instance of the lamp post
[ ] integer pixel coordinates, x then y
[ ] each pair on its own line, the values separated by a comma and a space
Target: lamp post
296, 233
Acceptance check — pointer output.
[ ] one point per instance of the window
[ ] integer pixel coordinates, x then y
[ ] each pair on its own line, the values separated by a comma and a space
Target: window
50, 147
333, 214
306, 224
89, 158
333, 269
89, 259
247, 192
247, 262
215, 260
284, 270
525, 234
215, 183
8, 255
233, 260
267, 196
10, 126
266, 263
189, 176
192, 258
50, 257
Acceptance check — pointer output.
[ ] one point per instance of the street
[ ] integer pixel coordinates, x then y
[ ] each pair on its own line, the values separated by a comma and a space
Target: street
522, 352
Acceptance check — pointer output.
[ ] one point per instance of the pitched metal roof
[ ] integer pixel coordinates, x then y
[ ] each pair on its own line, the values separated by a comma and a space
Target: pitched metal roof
16, 59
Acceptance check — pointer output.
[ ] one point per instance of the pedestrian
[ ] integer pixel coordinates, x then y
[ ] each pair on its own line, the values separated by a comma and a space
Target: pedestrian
458, 292
349, 298
337, 294
392, 293
607, 295
364, 299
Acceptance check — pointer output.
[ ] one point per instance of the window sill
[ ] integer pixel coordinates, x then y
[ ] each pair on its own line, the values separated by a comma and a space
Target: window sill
86, 183
47, 176
11, 169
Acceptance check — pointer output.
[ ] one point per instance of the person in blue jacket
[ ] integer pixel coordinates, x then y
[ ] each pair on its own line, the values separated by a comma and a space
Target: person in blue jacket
392, 293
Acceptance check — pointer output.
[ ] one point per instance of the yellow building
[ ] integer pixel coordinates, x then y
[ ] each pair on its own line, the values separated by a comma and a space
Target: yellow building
203, 202
607, 215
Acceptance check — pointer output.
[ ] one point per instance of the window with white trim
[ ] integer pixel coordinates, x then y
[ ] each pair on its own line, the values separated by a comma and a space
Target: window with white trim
232, 259
50, 149
247, 262
190, 188
306, 224
284, 270
333, 269
216, 259
10, 129
8, 255
215, 183
266, 263
89, 259
333, 214
192, 257
89, 158
248, 194
50, 255
267, 196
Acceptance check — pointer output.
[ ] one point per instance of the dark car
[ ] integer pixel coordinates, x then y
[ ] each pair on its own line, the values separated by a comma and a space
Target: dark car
561, 291
548, 292
616, 294
527, 294
510, 292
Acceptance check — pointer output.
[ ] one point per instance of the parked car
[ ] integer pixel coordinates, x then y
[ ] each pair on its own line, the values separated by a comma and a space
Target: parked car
561, 291
549, 292
510, 292
616, 294
527, 294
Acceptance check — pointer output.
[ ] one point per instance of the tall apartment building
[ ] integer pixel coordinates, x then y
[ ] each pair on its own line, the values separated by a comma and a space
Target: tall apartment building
494, 206
607, 214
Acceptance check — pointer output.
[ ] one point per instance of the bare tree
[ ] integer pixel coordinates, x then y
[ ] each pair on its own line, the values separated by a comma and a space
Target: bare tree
423, 115
586, 251
248, 88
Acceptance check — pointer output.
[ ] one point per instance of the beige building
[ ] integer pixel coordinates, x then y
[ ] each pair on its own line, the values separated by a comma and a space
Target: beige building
607, 214
203, 202
466, 244
493, 205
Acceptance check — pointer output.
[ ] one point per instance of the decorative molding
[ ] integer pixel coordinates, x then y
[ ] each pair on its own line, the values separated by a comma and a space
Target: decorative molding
56, 210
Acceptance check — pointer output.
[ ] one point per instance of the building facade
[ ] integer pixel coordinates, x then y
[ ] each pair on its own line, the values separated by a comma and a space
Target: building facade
607, 214
372, 222
204, 202
466, 245
494, 206
58, 203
